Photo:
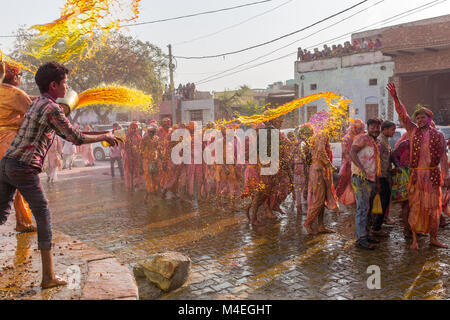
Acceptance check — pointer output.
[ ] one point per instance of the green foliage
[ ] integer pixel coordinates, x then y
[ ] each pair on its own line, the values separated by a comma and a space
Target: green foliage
124, 61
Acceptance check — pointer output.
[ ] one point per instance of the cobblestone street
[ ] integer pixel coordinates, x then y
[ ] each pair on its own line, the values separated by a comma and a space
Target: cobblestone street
233, 260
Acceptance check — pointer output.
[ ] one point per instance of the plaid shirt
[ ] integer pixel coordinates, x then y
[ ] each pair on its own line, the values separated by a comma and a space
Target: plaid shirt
43, 119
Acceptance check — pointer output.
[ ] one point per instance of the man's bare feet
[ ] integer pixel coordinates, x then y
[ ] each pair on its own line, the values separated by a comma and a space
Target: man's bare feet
414, 246
309, 229
389, 221
24, 229
436, 243
51, 283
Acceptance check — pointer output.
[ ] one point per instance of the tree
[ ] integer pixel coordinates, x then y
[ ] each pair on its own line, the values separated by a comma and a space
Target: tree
123, 60
240, 101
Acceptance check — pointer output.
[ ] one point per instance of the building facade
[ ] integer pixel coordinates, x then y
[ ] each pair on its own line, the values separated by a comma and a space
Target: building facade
361, 77
201, 110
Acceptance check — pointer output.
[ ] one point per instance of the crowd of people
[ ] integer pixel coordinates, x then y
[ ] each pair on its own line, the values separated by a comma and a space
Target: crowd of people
371, 174
339, 50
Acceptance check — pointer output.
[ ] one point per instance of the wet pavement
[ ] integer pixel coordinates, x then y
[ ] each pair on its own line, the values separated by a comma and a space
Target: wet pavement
234, 260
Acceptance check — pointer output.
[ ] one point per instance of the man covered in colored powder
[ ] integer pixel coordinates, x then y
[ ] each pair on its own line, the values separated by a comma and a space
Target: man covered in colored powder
321, 192
366, 171
164, 163
115, 153
344, 190
22, 162
194, 171
302, 161
428, 165
86, 151
280, 182
387, 131
14, 104
400, 158
150, 154
132, 158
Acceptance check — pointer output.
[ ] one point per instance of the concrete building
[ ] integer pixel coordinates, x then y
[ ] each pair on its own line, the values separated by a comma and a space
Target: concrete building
414, 55
421, 52
197, 110
361, 77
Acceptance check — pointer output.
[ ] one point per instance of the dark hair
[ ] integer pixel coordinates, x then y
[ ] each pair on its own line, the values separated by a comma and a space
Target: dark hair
373, 121
387, 124
48, 72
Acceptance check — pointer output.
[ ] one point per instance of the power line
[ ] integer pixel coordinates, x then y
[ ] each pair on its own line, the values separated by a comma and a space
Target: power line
308, 36
196, 14
403, 14
232, 26
384, 21
180, 17
276, 39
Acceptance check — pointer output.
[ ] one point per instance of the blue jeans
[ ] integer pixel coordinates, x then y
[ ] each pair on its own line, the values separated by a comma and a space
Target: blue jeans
365, 193
15, 175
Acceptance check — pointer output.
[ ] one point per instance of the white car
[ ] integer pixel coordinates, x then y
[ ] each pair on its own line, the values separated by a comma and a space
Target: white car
101, 153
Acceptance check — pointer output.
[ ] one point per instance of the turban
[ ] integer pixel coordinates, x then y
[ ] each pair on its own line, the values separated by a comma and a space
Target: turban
133, 125
357, 123
424, 110
11, 71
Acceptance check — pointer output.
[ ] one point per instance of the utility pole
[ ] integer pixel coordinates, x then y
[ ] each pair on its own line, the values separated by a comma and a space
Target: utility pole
172, 86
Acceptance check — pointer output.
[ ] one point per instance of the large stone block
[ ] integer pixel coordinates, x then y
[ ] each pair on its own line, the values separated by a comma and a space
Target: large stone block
168, 270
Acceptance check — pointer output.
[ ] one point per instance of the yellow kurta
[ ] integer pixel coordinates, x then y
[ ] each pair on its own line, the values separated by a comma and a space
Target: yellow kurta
13, 105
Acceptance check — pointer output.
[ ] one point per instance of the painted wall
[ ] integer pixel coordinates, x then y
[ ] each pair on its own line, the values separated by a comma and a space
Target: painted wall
348, 76
207, 105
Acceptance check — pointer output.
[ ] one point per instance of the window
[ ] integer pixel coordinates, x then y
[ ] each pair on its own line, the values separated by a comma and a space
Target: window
310, 111
197, 115
373, 82
313, 86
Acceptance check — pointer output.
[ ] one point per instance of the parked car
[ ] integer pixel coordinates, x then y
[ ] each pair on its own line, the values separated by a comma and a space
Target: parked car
101, 153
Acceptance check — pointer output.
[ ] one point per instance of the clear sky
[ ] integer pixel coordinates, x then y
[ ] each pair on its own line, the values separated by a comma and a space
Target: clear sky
267, 21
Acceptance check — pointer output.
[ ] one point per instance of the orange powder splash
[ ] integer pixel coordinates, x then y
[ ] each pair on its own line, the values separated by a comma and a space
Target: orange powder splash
81, 30
118, 96
336, 120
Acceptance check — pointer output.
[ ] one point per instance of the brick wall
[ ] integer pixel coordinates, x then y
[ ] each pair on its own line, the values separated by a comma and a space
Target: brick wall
422, 61
421, 36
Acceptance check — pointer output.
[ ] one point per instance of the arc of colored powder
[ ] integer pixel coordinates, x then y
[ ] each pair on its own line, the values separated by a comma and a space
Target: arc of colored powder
117, 95
79, 22
70, 38
338, 105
